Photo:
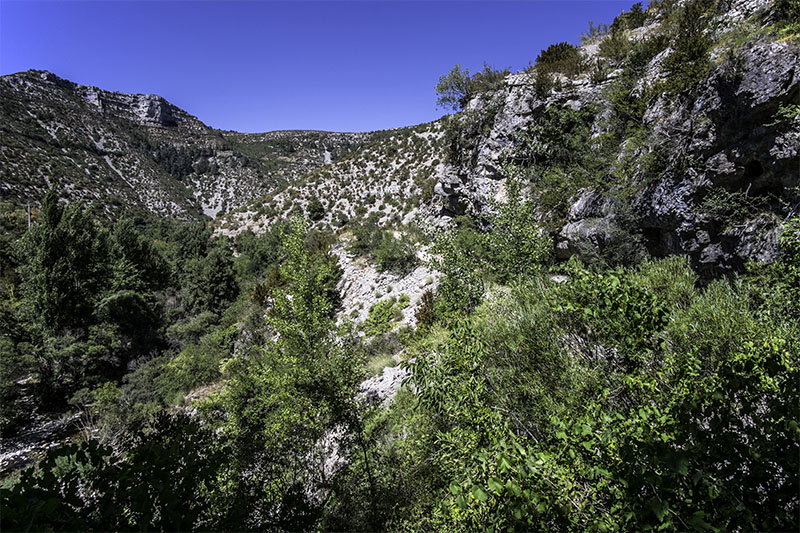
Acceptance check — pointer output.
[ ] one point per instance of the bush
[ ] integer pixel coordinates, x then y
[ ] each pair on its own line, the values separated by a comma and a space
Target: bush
615, 47
518, 245
456, 88
461, 288
635, 18
425, 312
366, 236
396, 255
560, 57
315, 210
690, 62
382, 315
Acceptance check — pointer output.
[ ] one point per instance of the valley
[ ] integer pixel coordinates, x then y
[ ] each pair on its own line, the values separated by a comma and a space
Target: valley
569, 304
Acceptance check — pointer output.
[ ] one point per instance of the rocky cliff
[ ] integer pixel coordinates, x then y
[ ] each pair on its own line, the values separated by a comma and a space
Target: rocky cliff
702, 161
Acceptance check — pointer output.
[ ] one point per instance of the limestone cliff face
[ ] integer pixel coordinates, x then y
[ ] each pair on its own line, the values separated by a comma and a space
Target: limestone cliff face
727, 147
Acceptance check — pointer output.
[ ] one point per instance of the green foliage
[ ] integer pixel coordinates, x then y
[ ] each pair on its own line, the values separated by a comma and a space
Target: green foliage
302, 309
775, 288
689, 64
616, 46
211, 281
786, 115
383, 314
645, 420
366, 236
453, 88
137, 264
517, 244
86, 488
487, 80
65, 267
461, 288
630, 20
425, 312
594, 33
281, 398
456, 88
561, 57
558, 138
258, 254
729, 208
395, 255
315, 210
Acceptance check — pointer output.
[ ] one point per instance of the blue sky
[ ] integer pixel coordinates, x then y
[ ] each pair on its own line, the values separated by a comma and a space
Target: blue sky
261, 66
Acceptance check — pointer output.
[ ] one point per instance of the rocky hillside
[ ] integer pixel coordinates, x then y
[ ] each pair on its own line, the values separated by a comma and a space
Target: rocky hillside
393, 177
664, 135
672, 131
139, 151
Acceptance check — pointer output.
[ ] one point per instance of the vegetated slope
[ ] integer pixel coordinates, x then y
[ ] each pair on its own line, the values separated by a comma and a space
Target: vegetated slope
394, 176
675, 131
139, 151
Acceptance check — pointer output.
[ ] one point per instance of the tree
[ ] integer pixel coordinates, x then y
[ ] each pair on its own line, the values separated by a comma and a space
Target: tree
315, 209
137, 264
64, 267
453, 89
284, 397
456, 88
211, 280
396, 255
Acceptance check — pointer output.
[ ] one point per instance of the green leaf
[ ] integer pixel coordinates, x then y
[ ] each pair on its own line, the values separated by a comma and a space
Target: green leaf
660, 509
514, 488
455, 488
479, 494
461, 502
495, 485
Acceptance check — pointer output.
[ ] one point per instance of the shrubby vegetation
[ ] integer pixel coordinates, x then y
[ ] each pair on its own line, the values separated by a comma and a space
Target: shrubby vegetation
624, 393
457, 87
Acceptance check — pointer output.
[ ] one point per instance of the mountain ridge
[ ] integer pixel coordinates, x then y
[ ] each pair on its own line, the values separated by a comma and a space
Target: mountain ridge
140, 151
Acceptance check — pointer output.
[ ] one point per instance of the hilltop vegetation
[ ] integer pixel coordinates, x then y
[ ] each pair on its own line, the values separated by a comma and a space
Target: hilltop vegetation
571, 305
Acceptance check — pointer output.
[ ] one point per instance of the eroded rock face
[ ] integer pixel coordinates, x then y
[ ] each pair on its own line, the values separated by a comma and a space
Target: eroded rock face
722, 141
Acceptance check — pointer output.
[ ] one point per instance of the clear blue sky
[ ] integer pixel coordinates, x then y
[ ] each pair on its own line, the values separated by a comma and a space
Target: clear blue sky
260, 66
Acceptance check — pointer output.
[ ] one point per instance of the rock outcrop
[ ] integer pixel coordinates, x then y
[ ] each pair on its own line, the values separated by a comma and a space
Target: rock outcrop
729, 167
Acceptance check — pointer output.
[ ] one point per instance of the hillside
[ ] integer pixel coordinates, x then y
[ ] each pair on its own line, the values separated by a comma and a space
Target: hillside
393, 177
628, 148
116, 150
634, 138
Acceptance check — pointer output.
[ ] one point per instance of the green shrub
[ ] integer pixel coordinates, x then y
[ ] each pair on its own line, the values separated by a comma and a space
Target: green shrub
616, 46
315, 210
561, 57
425, 313
594, 32
517, 244
461, 288
789, 19
382, 316
635, 18
366, 236
395, 255
456, 88
690, 63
